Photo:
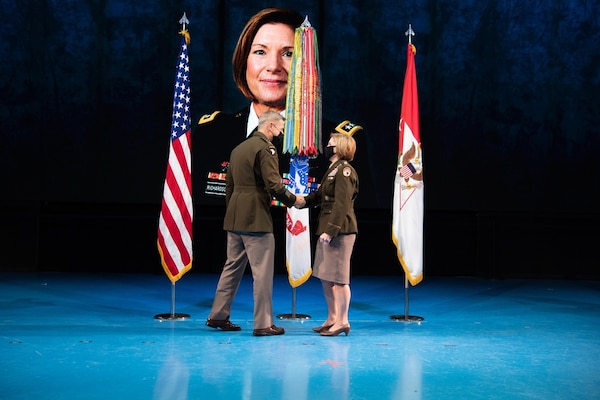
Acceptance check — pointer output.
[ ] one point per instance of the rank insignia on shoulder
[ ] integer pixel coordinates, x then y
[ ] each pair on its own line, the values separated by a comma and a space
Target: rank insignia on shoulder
348, 128
207, 117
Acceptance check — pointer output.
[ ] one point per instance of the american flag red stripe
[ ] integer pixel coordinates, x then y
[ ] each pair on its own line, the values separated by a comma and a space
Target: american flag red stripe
176, 215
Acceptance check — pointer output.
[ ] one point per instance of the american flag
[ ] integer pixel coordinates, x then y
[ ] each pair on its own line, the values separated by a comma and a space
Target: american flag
407, 171
176, 215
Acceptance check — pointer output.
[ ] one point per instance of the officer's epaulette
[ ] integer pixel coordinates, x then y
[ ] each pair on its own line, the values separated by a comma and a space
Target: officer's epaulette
207, 117
348, 128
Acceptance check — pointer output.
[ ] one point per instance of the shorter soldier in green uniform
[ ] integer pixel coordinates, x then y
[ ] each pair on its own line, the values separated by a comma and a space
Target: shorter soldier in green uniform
337, 229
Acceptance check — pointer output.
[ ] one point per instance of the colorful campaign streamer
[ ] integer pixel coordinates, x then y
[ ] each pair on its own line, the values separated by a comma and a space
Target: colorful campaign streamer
303, 104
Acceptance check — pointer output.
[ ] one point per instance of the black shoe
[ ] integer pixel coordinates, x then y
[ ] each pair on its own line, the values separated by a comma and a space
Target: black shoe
222, 324
270, 331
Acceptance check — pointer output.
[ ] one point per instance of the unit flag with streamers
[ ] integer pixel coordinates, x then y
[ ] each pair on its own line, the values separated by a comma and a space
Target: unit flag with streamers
302, 141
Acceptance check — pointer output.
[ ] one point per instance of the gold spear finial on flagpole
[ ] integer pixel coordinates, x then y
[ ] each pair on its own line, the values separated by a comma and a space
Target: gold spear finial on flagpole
410, 33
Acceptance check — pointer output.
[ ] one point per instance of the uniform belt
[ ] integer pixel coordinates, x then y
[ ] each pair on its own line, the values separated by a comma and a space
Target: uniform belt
248, 189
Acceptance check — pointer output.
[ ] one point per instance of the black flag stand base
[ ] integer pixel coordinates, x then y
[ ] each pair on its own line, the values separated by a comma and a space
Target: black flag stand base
293, 315
172, 316
406, 317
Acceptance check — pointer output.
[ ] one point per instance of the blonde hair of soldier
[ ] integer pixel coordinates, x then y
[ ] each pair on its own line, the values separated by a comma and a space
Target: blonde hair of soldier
345, 146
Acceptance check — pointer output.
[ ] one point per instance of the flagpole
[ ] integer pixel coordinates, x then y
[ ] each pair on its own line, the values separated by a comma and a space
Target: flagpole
172, 316
407, 317
293, 315
166, 241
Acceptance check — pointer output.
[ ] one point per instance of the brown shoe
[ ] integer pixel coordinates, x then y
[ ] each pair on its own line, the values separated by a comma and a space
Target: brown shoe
321, 328
270, 331
222, 324
344, 328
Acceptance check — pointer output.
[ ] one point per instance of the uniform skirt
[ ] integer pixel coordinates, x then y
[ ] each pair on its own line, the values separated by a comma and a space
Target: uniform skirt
332, 260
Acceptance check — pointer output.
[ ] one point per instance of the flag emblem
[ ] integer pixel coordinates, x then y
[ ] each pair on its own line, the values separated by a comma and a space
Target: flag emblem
407, 171
295, 228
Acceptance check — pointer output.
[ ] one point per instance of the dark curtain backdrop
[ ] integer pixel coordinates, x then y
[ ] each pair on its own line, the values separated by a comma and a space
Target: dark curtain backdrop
508, 96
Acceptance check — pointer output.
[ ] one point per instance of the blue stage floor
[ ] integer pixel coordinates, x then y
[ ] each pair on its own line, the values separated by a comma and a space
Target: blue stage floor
70, 336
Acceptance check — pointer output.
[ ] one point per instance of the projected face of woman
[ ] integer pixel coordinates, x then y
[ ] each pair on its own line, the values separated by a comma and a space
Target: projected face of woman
269, 61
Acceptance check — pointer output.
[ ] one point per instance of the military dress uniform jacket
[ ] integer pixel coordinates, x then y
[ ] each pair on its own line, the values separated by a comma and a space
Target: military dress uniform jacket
215, 136
218, 133
336, 194
252, 179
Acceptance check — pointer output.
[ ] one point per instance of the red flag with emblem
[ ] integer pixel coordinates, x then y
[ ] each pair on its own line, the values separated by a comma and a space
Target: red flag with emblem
408, 201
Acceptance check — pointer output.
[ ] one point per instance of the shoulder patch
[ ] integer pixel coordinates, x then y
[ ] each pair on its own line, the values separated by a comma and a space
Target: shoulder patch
348, 128
346, 171
208, 117
272, 150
